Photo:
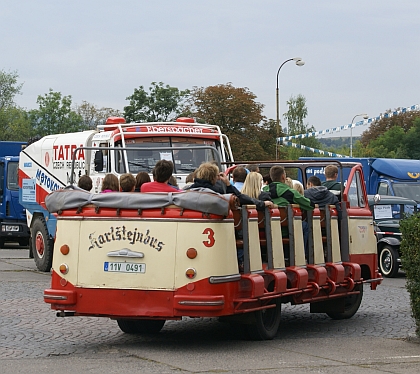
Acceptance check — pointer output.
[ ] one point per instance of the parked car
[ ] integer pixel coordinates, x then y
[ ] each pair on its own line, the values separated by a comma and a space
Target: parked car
387, 212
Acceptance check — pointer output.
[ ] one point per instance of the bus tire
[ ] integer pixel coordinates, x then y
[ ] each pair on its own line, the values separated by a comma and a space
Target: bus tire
351, 305
42, 245
1, 243
266, 322
388, 263
140, 326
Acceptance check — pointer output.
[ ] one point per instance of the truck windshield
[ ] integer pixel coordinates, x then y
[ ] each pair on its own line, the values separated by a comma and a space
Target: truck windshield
185, 160
409, 190
12, 176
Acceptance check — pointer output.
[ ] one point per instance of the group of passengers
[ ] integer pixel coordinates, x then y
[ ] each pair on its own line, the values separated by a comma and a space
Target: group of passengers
250, 187
247, 184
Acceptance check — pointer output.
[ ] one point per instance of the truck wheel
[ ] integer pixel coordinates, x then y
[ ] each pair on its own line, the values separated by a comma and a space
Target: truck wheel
42, 245
140, 326
266, 323
31, 251
351, 305
1, 243
388, 264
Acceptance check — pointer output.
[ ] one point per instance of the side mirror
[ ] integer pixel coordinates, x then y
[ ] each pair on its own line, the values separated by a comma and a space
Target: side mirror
99, 161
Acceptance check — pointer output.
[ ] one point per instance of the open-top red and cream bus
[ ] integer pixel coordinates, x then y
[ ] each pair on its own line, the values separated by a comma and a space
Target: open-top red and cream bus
145, 258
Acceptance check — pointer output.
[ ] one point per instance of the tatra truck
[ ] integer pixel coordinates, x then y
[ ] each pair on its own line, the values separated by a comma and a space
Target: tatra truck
116, 147
142, 259
12, 214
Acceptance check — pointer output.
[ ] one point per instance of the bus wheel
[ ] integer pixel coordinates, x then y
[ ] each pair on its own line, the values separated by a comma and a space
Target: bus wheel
388, 264
140, 326
267, 322
42, 245
351, 305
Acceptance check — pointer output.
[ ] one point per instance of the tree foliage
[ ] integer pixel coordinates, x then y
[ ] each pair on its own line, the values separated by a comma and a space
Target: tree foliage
9, 88
161, 103
410, 229
15, 124
295, 116
55, 115
92, 115
238, 114
410, 143
391, 137
378, 128
231, 108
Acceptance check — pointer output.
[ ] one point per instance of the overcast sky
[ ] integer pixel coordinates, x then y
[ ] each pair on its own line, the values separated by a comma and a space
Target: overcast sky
360, 56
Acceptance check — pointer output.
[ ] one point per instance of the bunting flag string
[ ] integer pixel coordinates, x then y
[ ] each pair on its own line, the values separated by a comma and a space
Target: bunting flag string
314, 150
367, 121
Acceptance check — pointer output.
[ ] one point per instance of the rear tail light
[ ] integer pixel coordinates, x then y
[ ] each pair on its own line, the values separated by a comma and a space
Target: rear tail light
190, 273
64, 268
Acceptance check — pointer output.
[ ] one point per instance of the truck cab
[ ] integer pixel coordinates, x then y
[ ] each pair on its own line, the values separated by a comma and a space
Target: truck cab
383, 176
12, 214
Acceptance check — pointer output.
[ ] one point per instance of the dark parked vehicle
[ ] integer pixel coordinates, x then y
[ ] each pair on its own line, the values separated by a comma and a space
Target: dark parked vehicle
387, 212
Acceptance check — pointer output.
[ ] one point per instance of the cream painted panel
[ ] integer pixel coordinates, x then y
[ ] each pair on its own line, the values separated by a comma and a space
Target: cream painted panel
67, 234
254, 246
299, 247
317, 237
336, 253
362, 237
278, 253
155, 239
216, 250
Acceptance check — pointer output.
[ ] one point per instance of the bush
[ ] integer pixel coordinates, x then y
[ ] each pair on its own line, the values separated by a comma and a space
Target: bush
410, 259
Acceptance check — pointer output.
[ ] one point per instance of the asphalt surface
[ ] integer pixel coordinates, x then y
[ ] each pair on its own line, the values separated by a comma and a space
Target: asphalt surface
378, 339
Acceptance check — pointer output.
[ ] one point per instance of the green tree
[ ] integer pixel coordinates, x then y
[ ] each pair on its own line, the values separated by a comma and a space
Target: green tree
10, 114
387, 145
378, 128
410, 143
238, 114
92, 116
161, 103
9, 88
15, 124
295, 116
55, 115
229, 107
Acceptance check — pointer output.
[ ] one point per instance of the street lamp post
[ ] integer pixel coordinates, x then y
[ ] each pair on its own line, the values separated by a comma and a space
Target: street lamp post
299, 62
365, 116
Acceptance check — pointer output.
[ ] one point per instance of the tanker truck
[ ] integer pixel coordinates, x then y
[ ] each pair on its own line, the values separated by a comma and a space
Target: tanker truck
117, 147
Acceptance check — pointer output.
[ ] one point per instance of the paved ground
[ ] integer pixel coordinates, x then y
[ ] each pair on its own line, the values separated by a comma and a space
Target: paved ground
33, 339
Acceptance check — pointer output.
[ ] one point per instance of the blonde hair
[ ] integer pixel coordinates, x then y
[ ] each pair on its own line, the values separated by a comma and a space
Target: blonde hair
298, 187
252, 185
208, 171
289, 182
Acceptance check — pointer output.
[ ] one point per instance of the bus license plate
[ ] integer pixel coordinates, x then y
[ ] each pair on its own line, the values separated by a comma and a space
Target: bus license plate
124, 267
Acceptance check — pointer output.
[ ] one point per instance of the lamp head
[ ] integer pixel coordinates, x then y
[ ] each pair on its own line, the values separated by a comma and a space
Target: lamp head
298, 61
